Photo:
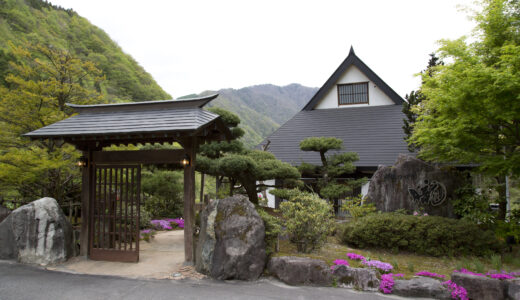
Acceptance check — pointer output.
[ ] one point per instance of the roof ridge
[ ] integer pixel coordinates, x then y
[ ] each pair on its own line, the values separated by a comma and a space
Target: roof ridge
352, 59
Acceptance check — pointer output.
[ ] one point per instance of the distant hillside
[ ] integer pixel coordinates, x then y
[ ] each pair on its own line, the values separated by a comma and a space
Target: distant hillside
37, 21
263, 108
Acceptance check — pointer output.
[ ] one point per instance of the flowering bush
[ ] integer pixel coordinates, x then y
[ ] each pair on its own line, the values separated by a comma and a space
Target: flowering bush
147, 234
384, 267
387, 282
161, 224
355, 256
167, 224
178, 222
500, 276
430, 274
457, 292
338, 262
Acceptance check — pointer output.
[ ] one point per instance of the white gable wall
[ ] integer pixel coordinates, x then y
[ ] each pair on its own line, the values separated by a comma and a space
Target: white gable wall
354, 75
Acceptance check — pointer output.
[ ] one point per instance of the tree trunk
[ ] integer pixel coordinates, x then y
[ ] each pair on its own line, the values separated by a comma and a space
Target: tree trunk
231, 186
218, 182
250, 188
502, 202
202, 187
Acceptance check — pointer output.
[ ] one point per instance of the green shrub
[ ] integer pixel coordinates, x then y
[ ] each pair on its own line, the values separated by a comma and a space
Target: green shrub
164, 193
435, 236
308, 220
273, 228
356, 208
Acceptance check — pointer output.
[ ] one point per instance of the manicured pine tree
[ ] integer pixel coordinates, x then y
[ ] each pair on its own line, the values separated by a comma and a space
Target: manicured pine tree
332, 168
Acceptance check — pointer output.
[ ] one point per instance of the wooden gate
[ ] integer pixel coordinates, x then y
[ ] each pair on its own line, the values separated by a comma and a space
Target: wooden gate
114, 221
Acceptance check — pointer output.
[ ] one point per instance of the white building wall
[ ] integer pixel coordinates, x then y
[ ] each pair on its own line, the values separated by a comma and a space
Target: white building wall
270, 198
353, 75
364, 189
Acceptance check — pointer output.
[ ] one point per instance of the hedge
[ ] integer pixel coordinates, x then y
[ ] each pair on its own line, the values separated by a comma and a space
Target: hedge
430, 235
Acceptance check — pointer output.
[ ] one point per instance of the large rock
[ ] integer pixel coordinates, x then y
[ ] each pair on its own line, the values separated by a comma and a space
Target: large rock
412, 184
37, 233
513, 289
364, 279
421, 287
231, 241
300, 270
4, 212
480, 287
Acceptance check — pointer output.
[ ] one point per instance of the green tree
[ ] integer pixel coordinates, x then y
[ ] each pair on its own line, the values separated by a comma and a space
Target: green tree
39, 83
229, 159
471, 113
211, 152
414, 99
164, 190
332, 167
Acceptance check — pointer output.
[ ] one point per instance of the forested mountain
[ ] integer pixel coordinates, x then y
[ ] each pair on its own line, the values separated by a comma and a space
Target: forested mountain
31, 22
263, 108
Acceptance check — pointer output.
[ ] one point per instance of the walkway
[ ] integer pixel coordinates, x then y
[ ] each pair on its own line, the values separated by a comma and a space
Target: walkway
158, 259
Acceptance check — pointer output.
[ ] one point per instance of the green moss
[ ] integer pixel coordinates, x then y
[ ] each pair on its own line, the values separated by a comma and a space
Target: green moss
238, 210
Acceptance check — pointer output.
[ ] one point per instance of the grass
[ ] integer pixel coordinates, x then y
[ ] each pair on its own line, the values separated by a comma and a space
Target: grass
406, 263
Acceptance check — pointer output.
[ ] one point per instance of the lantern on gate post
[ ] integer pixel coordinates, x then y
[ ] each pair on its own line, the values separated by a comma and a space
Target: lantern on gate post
186, 160
82, 162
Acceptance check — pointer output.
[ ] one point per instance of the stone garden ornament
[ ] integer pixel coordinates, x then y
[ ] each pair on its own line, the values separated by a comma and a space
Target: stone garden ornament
430, 192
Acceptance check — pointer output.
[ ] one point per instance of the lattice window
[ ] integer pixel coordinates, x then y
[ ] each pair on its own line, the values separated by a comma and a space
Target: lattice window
353, 93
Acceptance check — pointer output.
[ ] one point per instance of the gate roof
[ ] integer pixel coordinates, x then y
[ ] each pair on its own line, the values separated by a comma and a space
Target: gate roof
136, 122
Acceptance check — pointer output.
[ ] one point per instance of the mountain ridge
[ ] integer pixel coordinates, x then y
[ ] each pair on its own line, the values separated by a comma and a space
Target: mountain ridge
34, 22
262, 108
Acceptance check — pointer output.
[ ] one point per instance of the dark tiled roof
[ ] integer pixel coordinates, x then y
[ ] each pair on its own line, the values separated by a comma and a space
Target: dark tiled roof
131, 118
352, 60
374, 132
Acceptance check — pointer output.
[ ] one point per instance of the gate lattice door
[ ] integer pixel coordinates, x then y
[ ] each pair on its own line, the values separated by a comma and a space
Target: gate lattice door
114, 221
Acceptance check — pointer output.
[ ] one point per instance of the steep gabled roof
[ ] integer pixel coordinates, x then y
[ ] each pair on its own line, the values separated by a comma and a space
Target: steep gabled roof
352, 60
374, 132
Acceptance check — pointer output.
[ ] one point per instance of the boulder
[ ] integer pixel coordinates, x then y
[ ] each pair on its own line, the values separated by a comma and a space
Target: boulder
36, 233
480, 287
4, 212
413, 184
300, 270
363, 279
231, 241
513, 289
421, 287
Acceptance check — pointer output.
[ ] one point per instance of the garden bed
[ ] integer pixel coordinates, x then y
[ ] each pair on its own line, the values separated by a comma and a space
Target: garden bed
408, 263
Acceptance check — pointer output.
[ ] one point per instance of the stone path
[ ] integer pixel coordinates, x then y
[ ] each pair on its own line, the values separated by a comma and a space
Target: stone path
161, 258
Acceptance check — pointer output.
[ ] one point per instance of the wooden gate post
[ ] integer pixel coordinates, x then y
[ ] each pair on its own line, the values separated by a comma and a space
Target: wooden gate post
190, 146
85, 203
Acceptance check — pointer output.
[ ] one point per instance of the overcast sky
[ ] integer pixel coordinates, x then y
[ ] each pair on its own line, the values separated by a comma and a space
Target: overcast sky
193, 46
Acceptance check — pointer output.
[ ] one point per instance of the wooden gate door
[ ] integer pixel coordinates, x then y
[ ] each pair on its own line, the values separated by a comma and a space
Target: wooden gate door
114, 221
